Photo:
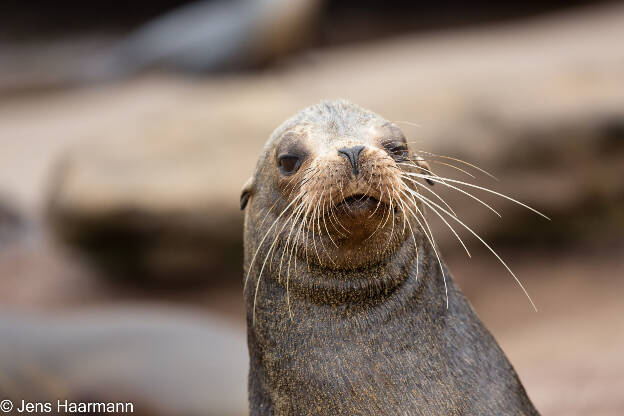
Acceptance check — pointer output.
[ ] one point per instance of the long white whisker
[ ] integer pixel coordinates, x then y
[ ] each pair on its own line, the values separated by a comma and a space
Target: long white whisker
314, 215
424, 200
430, 191
327, 230
265, 236
478, 187
297, 212
260, 275
460, 161
442, 181
431, 241
489, 248
454, 167
379, 224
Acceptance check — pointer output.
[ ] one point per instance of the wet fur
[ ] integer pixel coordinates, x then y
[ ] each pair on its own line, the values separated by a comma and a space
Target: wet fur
379, 332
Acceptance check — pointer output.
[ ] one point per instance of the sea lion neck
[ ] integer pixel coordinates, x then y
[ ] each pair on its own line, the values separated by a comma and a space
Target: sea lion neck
370, 284
410, 267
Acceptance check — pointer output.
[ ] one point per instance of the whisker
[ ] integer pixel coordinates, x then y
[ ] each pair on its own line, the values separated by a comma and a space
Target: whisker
337, 220
430, 191
297, 212
333, 220
268, 212
321, 240
489, 248
460, 161
424, 200
429, 237
391, 208
314, 214
327, 230
457, 189
294, 249
478, 187
321, 214
251, 265
400, 205
380, 222
260, 274
407, 122
454, 167
403, 205
377, 207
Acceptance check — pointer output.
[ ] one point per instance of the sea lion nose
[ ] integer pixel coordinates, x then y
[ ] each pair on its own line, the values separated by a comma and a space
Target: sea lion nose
352, 154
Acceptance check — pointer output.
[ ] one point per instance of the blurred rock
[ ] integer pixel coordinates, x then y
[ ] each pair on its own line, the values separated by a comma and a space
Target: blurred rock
145, 208
163, 361
11, 221
540, 104
571, 167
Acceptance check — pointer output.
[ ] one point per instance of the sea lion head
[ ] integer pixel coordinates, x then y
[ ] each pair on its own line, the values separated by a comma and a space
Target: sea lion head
330, 190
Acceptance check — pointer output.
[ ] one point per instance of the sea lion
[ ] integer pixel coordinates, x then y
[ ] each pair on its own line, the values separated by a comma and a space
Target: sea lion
350, 309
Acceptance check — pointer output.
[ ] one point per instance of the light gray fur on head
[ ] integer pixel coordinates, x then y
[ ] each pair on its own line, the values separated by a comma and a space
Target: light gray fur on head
337, 117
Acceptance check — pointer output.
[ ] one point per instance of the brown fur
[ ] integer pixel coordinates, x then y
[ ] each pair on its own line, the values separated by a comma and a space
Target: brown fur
349, 309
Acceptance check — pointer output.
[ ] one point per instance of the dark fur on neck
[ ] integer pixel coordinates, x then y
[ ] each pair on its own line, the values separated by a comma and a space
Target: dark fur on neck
392, 349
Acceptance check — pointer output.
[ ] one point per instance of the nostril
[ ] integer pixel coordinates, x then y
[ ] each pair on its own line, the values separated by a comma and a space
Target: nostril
352, 154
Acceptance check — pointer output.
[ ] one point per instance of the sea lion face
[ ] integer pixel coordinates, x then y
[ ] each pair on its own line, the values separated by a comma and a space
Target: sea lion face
331, 188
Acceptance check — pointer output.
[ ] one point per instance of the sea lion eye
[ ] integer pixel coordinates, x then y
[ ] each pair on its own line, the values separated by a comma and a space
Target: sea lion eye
289, 164
396, 149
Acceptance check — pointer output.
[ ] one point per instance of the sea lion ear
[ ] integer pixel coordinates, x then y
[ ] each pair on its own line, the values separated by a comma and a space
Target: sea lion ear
246, 193
424, 166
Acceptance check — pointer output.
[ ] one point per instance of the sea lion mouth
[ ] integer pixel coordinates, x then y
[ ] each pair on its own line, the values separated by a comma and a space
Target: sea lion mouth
360, 205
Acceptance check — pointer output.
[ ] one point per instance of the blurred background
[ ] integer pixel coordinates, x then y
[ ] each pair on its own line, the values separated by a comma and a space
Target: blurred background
128, 129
